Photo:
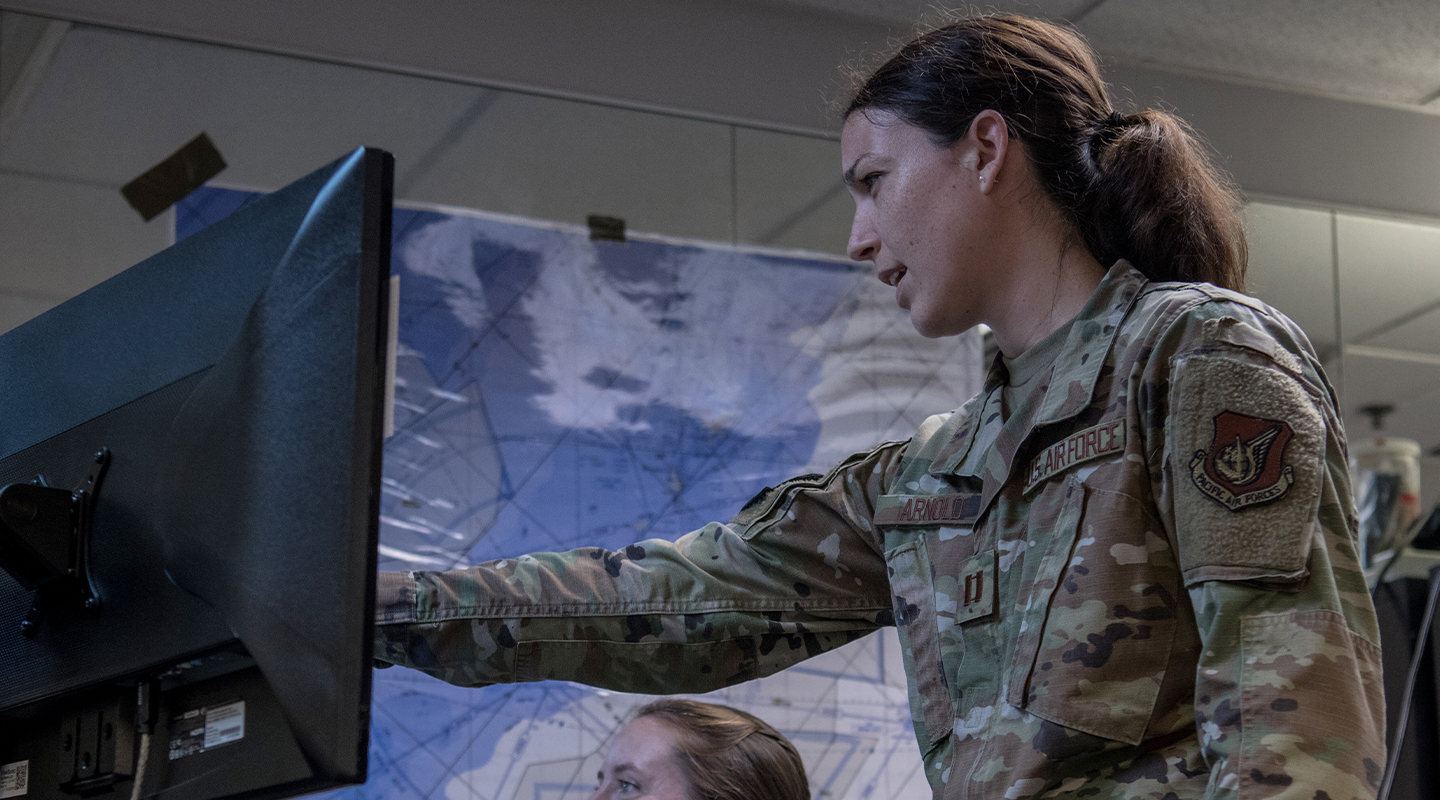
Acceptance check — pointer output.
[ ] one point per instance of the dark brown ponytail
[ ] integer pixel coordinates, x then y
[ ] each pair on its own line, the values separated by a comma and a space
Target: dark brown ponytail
1139, 187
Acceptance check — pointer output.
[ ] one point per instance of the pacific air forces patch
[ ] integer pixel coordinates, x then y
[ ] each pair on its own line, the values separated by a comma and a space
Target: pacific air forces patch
1245, 464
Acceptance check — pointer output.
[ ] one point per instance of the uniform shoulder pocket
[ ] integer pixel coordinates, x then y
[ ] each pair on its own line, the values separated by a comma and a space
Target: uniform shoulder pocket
765, 501
772, 502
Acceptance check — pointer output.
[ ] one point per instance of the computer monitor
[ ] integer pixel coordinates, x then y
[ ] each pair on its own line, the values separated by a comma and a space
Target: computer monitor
190, 454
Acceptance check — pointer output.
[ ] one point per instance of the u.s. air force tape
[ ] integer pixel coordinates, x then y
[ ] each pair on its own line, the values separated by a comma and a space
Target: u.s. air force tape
927, 509
1079, 447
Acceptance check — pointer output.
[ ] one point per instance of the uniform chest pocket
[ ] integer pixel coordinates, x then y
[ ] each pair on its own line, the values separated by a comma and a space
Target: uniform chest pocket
937, 584
929, 538
915, 620
1098, 620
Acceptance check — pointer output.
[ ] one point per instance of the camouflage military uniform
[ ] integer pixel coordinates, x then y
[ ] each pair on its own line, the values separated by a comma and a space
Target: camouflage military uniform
1141, 582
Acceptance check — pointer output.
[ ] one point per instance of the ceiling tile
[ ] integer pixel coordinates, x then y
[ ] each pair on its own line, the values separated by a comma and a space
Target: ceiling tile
1365, 380
1388, 268
275, 119
560, 160
1290, 266
15, 310
114, 104
63, 237
1421, 334
1381, 49
907, 13
789, 192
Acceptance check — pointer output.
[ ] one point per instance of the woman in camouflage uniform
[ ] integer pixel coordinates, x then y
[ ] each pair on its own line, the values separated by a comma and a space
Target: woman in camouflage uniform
1125, 569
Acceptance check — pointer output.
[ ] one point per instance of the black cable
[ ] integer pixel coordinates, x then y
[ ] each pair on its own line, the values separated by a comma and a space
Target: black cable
1410, 679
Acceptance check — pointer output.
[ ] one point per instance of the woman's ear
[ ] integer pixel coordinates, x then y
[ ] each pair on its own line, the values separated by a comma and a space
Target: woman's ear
990, 137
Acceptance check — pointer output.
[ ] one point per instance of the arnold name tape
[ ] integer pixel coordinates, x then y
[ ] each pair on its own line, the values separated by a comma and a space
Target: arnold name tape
928, 509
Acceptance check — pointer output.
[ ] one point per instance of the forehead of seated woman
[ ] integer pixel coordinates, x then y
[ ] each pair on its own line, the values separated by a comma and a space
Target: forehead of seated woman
643, 761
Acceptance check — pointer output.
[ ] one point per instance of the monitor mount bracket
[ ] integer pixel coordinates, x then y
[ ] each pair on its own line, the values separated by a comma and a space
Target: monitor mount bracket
45, 541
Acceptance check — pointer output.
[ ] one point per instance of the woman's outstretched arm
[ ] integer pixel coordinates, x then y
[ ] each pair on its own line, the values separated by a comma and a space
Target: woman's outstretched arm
798, 572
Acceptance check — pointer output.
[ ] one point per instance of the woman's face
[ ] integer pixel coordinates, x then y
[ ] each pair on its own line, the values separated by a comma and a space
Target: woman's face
643, 761
920, 217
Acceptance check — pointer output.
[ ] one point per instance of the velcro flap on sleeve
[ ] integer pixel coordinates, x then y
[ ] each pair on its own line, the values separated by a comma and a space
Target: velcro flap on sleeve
1247, 465
1231, 331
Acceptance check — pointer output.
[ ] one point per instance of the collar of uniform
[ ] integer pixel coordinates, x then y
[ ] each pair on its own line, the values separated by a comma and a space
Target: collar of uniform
950, 457
1077, 368
1073, 378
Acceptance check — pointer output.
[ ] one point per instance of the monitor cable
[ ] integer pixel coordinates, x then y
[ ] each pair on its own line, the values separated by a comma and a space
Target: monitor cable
140, 765
147, 708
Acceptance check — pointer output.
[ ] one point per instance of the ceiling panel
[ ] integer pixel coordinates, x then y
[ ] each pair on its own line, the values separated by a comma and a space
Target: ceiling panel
789, 192
116, 103
904, 13
561, 160
1380, 49
1421, 334
19, 34
1290, 266
62, 237
1369, 381
15, 310
1388, 268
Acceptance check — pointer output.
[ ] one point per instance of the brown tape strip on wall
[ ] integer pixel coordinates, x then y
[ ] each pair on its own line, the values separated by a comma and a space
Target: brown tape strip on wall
168, 182
605, 229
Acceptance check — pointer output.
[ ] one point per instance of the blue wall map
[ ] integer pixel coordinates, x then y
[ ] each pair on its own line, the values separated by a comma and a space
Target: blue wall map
555, 392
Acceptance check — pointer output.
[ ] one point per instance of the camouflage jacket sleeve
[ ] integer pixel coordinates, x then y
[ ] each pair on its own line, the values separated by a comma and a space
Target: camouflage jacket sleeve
1254, 482
797, 573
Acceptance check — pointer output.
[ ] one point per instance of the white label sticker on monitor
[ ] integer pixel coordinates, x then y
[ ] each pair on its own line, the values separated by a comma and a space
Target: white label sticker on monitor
14, 779
225, 724
202, 729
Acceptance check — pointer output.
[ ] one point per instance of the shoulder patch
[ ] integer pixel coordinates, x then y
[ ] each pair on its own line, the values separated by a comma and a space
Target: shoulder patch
1246, 444
1245, 464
